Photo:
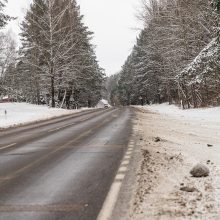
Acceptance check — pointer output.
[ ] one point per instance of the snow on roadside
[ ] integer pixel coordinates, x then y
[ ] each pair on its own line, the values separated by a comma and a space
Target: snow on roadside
187, 137
12, 114
201, 114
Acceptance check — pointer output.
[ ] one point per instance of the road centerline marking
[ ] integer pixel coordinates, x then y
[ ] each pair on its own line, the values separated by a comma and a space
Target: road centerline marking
66, 145
16, 173
59, 128
8, 146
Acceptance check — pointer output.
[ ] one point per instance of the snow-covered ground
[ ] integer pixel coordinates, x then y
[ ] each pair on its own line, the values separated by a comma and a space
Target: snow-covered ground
201, 114
12, 114
186, 137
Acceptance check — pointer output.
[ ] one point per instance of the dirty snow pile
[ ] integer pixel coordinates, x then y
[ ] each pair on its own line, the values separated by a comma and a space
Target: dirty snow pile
20, 113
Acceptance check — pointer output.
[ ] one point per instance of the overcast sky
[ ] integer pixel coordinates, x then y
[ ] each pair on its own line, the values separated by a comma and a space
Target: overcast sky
112, 21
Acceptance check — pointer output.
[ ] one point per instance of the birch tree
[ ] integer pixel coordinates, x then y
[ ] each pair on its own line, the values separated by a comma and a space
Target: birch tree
8, 57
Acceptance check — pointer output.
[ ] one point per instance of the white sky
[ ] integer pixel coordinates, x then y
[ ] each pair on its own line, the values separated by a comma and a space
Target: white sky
113, 22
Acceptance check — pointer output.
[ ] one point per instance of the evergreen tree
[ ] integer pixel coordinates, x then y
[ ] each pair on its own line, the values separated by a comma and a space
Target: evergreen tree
175, 32
57, 51
216, 5
3, 17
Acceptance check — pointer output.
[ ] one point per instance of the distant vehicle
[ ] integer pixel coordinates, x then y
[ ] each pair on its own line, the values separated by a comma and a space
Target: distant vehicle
5, 99
103, 104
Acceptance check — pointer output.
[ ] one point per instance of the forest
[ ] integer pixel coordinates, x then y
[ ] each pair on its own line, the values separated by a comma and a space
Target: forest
56, 63
175, 58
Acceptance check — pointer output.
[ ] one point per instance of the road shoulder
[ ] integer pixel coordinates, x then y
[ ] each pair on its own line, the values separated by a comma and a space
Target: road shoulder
119, 198
169, 149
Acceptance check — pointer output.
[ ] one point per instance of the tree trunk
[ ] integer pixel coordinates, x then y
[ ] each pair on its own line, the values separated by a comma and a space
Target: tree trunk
89, 103
194, 96
64, 97
38, 96
207, 92
168, 93
52, 93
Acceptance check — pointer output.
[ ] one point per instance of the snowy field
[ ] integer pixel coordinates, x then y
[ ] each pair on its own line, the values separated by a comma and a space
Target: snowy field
12, 114
186, 138
201, 114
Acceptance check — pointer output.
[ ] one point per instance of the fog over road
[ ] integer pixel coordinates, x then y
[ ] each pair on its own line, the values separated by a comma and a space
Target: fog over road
62, 168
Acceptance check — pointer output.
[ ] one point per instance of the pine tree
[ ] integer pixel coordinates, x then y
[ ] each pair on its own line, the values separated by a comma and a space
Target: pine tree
216, 5
175, 32
57, 51
3, 17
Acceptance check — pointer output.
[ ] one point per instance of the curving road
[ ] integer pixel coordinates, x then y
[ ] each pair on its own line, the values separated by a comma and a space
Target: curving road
62, 168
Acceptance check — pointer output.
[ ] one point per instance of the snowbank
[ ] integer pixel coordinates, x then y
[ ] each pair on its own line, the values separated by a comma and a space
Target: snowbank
201, 114
187, 138
12, 114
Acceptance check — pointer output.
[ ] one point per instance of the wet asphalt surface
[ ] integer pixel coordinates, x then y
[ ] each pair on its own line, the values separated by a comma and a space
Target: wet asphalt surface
62, 168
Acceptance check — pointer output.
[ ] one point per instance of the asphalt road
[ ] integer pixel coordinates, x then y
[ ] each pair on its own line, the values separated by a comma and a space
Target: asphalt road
62, 168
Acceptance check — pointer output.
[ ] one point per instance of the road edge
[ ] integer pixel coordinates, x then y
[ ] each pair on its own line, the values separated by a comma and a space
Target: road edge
38, 121
115, 206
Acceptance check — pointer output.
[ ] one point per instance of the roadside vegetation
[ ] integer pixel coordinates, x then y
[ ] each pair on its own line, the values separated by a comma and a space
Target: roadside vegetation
56, 64
176, 56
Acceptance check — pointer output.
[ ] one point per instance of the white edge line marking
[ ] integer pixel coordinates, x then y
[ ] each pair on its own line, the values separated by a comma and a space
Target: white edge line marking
123, 169
110, 201
7, 146
56, 129
128, 153
125, 162
112, 196
120, 177
127, 157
